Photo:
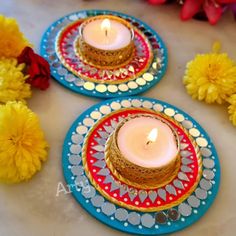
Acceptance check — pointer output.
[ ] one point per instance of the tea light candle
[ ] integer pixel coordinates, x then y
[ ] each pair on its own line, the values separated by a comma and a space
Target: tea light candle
147, 142
106, 34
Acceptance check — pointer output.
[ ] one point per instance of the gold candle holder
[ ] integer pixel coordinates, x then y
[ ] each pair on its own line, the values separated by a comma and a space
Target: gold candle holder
109, 59
135, 175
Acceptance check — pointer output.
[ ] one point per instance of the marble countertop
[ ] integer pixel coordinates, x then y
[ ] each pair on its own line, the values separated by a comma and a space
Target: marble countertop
32, 208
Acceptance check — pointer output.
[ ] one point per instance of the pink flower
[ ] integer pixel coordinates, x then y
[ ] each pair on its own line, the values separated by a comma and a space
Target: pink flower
156, 1
212, 8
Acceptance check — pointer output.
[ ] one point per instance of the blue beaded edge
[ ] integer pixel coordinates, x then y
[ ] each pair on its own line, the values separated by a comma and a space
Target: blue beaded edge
97, 94
176, 226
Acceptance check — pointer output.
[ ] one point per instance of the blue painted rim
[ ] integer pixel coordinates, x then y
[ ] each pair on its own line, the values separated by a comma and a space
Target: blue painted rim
76, 89
179, 225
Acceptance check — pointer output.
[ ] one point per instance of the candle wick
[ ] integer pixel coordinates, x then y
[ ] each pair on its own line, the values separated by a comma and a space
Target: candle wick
148, 142
106, 32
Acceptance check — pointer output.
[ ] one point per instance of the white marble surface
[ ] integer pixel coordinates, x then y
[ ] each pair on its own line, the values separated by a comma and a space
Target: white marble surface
33, 208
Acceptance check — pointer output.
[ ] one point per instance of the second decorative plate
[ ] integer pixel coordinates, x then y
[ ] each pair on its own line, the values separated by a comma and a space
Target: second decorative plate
146, 68
130, 207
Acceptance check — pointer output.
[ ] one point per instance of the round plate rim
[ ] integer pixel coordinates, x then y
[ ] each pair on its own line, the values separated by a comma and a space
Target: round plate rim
113, 225
136, 91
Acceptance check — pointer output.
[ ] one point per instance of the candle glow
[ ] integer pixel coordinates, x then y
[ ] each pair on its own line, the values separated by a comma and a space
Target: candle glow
106, 34
154, 145
106, 25
152, 136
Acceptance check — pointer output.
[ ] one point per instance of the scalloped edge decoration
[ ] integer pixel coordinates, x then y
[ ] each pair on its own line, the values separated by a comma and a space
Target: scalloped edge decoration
190, 210
78, 85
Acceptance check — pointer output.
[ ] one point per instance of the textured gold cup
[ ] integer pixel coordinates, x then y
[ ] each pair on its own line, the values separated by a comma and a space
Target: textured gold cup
138, 175
105, 58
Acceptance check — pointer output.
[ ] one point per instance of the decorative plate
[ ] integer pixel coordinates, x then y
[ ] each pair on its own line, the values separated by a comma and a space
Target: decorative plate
124, 205
68, 67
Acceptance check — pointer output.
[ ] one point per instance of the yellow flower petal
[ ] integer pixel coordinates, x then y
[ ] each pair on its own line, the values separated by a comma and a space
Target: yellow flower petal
232, 109
216, 47
12, 41
22, 144
12, 81
211, 77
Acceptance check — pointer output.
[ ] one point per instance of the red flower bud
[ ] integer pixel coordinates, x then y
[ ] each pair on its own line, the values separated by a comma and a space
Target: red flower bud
37, 68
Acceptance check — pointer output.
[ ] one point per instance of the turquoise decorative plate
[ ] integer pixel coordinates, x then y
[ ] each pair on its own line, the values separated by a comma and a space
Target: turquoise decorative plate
122, 205
69, 68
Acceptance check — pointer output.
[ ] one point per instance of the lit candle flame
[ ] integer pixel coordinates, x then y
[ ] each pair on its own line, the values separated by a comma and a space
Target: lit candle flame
152, 136
106, 25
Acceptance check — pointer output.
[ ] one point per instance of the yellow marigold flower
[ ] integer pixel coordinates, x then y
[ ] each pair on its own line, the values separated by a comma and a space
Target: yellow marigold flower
22, 143
232, 109
211, 77
12, 81
12, 41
